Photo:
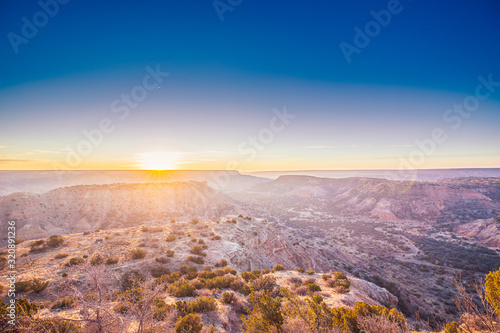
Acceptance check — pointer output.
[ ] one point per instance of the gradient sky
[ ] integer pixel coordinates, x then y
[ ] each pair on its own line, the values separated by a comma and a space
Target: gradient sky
226, 78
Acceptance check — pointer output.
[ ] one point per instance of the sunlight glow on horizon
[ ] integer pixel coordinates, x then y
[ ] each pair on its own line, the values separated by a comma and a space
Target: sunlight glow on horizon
158, 161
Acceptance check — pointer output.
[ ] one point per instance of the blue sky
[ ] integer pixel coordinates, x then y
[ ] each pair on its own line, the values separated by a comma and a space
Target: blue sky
227, 76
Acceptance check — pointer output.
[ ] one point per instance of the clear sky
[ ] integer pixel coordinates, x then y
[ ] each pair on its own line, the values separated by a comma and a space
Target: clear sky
251, 85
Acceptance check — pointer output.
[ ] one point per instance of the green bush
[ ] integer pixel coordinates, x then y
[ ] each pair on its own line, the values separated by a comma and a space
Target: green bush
159, 271
220, 282
23, 286
38, 285
340, 283
198, 250
199, 305
161, 260
312, 286
182, 288
265, 283
453, 327
67, 302
55, 240
278, 268
228, 297
131, 280
75, 262
221, 263
492, 288
190, 323
112, 261
185, 269
197, 260
61, 255
138, 254
97, 259
37, 243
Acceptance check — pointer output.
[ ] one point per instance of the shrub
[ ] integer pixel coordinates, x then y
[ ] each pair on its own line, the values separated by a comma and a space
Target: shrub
61, 255
23, 286
64, 274
170, 253
161, 260
198, 250
339, 282
266, 313
159, 271
278, 268
172, 220
300, 270
131, 280
310, 272
228, 297
245, 290
195, 221
193, 240
67, 302
138, 254
221, 263
248, 276
312, 286
187, 269
55, 240
25, 308
144, 229
326, 277
74, 262
220, 282
199, 305
190, 323
87, 232
264, 283
182, 288
217, 237
201, 241
38, 285
112, 261
171, 238
492, 288
197, 260
97, 259
453, 327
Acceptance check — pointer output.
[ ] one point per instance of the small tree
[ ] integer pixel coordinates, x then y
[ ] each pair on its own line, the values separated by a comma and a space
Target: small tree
492, 286
266, 315
190, 323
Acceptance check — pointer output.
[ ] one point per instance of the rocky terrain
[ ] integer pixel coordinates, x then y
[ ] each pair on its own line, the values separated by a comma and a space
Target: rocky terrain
402, 243
247, 244
90, 207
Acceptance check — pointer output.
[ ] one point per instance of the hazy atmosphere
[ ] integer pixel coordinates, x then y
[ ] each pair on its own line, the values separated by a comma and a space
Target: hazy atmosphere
237, 166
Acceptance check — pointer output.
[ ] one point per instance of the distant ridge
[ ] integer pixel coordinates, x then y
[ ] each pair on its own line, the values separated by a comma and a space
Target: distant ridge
418, 175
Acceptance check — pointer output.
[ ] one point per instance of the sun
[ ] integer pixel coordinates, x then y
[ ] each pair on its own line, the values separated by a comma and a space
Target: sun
158, 161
